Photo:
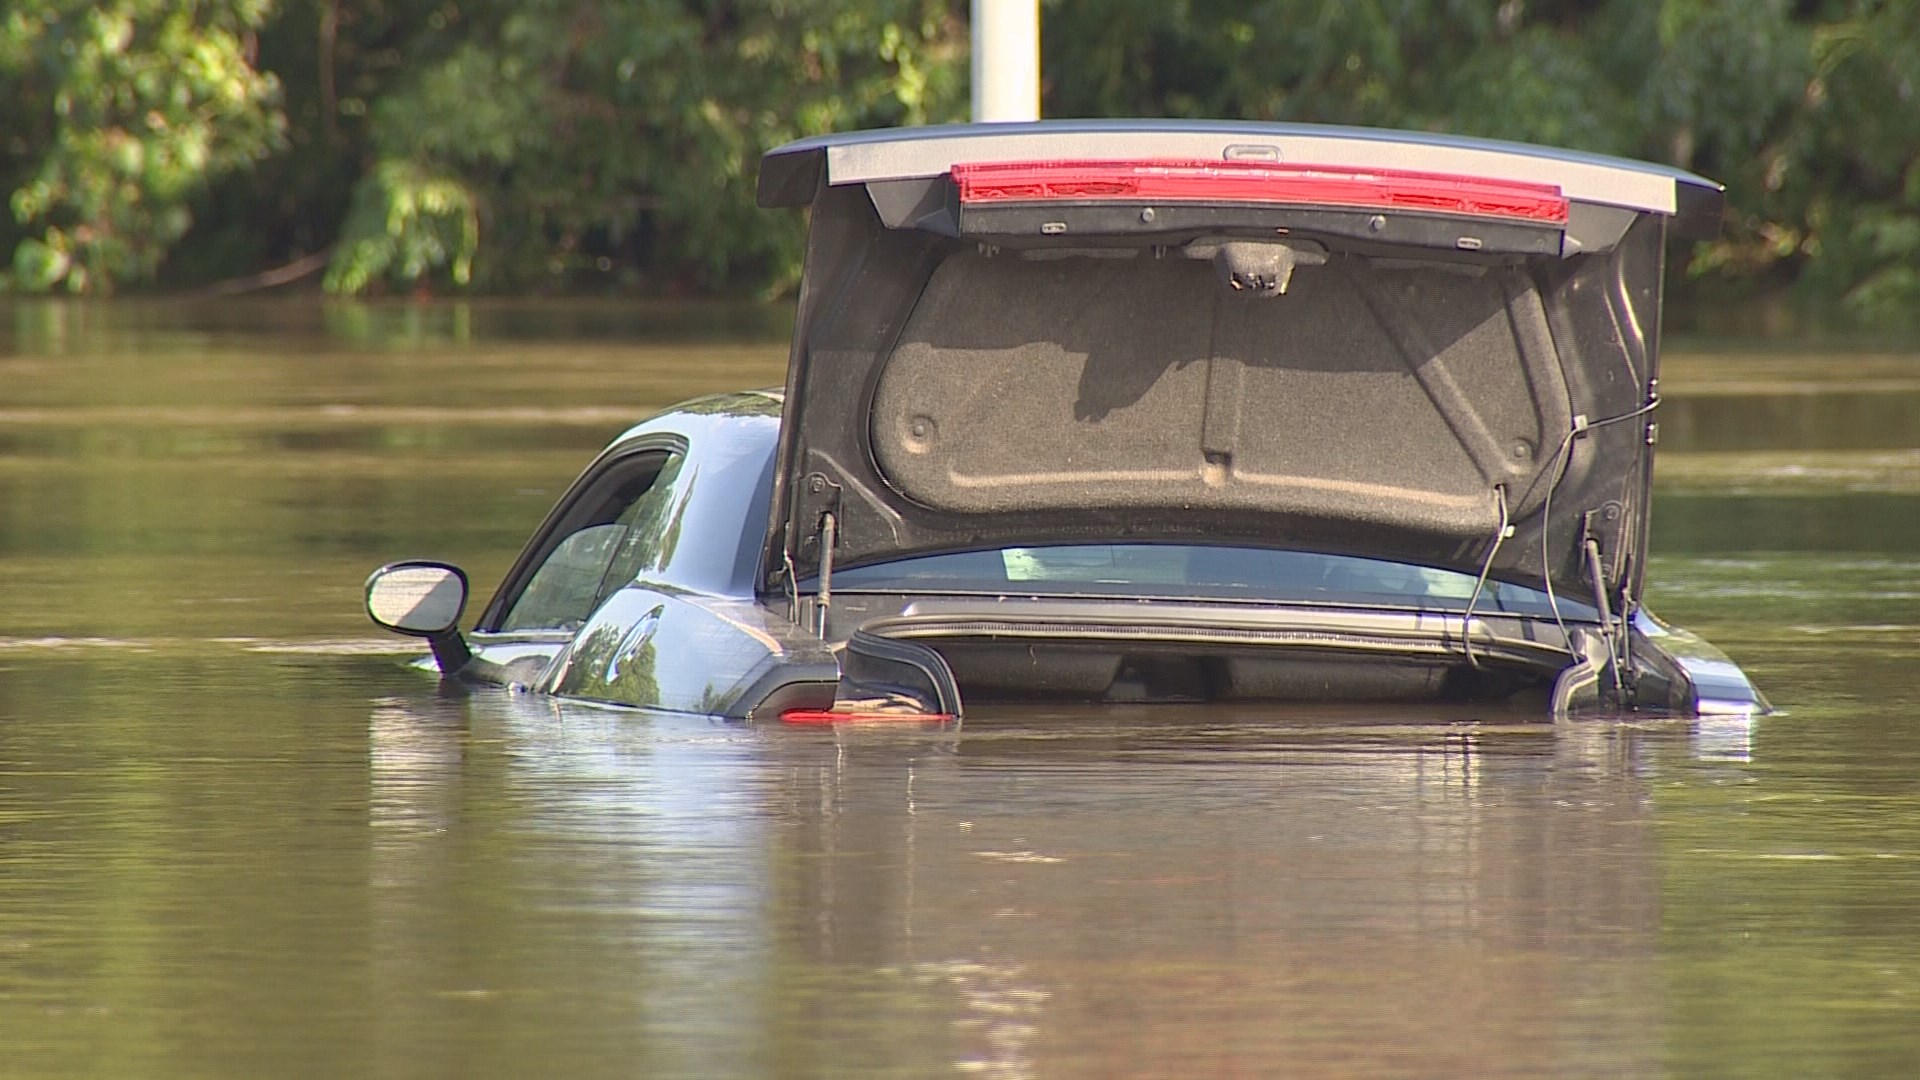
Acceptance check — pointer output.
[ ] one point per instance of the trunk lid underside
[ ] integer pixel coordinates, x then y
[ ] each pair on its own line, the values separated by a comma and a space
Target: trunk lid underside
1415, 385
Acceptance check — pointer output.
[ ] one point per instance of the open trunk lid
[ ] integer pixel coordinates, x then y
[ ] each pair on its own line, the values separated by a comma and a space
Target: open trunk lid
1440, 352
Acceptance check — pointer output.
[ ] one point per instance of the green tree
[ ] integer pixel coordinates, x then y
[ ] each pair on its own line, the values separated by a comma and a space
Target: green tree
126, 107
1809, 112
601, 144
1855, 189
569, 142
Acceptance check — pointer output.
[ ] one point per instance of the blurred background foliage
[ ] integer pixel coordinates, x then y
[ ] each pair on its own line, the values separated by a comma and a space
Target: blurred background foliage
611, 145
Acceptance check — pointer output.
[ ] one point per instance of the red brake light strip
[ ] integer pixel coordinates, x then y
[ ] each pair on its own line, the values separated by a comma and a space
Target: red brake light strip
1257, 182
828, 717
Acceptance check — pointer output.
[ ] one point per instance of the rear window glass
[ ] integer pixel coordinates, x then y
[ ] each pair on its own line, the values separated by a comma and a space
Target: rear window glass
1185, 570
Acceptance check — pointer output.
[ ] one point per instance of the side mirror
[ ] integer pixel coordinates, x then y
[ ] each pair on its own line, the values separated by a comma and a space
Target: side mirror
423, 599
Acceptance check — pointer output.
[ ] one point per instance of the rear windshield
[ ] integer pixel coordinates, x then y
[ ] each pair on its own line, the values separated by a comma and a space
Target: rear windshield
1185, 570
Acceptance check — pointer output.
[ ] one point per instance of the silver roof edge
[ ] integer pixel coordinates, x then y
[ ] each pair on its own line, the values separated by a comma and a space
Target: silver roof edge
903, 153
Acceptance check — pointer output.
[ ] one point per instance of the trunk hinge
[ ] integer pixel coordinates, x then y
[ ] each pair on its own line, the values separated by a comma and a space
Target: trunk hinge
1613, 625
829, 529
820, 505
790, 584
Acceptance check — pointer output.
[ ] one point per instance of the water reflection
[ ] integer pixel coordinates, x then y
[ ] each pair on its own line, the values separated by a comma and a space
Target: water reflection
563, 868
1099, 893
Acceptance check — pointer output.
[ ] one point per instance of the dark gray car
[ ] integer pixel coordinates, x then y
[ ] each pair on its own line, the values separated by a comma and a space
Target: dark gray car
1144, 411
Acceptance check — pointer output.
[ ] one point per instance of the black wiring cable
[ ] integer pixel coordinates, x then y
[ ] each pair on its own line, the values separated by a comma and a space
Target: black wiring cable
1563, 457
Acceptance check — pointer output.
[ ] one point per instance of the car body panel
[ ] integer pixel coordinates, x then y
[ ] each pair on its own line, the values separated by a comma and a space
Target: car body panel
688, 652
687, 631
1709, 682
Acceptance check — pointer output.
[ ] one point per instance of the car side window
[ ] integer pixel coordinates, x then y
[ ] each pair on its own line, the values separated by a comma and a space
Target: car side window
606, 537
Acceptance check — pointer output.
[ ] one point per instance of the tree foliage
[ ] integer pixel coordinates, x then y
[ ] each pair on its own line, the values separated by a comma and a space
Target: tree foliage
589, 144
620, 140
1808, 111
124, 107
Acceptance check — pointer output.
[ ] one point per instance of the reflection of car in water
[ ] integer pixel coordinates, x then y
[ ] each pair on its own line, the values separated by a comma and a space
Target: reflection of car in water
1144, 411
1085, 891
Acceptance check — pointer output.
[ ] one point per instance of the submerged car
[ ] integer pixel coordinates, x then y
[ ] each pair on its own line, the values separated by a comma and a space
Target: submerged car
1143, 411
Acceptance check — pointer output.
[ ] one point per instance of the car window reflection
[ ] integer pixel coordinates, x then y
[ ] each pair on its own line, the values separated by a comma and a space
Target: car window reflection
1202, 571
566, 587
612, 531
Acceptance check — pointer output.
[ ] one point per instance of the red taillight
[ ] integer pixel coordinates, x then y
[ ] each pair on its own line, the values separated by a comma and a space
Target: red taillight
823, 717
1257, 182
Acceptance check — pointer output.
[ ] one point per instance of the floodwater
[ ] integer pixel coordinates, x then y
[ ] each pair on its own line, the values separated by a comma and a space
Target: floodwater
238, 837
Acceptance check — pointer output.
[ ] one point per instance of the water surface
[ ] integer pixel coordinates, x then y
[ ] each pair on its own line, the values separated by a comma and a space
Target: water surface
239, 838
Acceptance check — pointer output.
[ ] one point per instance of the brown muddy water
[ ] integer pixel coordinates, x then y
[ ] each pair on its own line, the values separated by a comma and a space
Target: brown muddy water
238, 837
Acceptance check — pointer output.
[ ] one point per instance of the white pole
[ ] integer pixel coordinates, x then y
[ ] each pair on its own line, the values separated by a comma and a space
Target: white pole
1006, 60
